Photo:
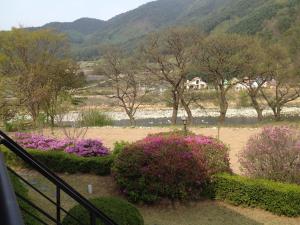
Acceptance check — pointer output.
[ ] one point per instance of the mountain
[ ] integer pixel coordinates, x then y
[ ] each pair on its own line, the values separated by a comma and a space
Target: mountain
239, 16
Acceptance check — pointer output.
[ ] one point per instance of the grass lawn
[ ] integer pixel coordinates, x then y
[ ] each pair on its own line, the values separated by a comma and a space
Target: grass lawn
193, 213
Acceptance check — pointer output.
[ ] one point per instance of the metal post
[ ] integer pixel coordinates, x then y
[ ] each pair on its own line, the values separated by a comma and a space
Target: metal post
93, 219
58, 205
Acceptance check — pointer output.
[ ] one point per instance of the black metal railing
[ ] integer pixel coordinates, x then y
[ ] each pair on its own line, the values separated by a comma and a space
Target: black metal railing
61, 186
10, 212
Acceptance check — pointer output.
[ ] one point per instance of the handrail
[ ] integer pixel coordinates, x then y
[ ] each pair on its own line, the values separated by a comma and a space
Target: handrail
10, 213
61, 184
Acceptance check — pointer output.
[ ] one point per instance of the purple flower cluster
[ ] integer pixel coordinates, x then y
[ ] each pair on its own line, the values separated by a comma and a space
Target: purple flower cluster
85, 148
88, 148
40, 142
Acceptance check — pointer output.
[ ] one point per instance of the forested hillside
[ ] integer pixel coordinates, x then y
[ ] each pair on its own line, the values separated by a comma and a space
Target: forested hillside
269, 18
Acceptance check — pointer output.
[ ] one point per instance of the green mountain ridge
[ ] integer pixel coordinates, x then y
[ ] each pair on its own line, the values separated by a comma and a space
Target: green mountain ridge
264, 17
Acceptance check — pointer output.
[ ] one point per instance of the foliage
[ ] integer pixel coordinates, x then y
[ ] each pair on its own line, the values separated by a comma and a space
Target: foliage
95, 118
40, 142
273, 154
22, 190
50, 71
222, 58
243, 99
168, 56
119, 147
88, 148
120, 211
278, 198
172, 133
174, 167
61, 162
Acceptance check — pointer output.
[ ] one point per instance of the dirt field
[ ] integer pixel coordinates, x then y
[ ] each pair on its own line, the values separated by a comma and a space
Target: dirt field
235, 138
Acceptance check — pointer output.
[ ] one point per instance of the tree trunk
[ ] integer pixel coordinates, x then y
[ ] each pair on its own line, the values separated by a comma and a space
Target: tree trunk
132, 122
188, 111
223, 107
257, 108
277, 112
175, 107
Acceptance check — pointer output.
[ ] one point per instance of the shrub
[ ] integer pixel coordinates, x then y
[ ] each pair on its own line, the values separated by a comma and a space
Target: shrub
278, 198
61, 162
95, 118
84, 148
40, 142
175, 167
120, 211
119, 147
172, 133
273, 154
88, 148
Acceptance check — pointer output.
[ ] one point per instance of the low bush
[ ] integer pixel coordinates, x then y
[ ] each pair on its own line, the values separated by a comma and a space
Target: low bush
84, 148
278, 198
173, 133
88, 148
95, 118
120, 211
33, 141
273, 154
174, 167
61, 162
119, 147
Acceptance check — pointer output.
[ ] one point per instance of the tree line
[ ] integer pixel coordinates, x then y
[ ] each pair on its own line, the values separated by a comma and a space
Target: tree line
37, 74
224, 60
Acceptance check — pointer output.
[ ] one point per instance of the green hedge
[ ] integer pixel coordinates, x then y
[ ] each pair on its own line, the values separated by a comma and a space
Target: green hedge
278, 198
122, 212
21, 190
61, 162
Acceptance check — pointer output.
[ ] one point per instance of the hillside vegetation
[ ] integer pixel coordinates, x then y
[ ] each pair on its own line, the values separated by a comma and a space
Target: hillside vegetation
268, 18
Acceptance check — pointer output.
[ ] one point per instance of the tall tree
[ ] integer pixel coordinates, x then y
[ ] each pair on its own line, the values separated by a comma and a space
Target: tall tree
124, 77
38, 64
286, 77
256, 72
168, 56
218, 56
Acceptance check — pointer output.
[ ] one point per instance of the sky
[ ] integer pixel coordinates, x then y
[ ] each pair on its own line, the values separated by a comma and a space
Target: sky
27, 13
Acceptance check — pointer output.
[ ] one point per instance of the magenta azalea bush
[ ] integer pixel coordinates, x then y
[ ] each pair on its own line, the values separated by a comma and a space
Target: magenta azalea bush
88, 148
84, 148
174, 167
274, 154
40, 142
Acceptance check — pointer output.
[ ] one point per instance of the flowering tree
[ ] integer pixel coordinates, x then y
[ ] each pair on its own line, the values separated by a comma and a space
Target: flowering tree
273, 154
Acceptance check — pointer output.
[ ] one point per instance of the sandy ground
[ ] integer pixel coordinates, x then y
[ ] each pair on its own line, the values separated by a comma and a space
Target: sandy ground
235, 138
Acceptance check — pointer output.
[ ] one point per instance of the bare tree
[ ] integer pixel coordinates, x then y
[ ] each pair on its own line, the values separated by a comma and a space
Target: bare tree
219, 57
124, 78
168, 56
257, 71
286, 78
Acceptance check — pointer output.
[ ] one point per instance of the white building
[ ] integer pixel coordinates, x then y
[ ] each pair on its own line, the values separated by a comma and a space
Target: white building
196, 84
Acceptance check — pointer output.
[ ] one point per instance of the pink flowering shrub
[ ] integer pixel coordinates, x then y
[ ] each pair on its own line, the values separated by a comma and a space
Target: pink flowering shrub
273, 154
40, 142
84, 148
175, 167
88, 148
